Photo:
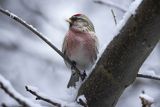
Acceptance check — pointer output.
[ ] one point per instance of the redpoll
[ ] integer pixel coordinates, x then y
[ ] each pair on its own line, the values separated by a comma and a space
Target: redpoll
80, 45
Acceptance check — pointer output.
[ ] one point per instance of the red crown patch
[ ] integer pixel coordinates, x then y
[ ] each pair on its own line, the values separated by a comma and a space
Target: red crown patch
77, 14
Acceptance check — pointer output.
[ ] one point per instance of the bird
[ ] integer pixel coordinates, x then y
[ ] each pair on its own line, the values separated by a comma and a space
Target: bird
80, 45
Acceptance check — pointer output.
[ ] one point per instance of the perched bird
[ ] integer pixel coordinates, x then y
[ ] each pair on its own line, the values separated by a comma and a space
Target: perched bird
80, 45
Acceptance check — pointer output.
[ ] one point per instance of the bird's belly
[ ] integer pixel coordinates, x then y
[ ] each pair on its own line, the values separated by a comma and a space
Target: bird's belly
81, 49
82, 57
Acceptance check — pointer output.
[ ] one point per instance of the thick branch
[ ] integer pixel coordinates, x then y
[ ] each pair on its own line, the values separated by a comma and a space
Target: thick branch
119, 64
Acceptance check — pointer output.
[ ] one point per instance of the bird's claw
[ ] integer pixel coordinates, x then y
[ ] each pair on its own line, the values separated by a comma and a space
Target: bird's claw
83, 76
73, 64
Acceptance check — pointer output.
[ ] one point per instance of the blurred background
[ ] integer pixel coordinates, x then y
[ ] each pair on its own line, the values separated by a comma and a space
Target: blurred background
27, 60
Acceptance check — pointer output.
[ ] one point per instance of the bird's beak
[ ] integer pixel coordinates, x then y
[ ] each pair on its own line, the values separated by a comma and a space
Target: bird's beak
69, 21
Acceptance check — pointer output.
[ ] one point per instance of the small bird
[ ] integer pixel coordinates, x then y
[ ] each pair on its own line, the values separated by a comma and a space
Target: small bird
80, 45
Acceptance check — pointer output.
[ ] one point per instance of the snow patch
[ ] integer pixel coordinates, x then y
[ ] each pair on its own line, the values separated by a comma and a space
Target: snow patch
149, 99
83, 98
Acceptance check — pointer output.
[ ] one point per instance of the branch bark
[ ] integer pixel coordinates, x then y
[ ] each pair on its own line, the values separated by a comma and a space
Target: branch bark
119, 64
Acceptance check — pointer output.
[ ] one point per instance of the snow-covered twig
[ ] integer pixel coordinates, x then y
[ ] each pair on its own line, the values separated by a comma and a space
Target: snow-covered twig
40, 35
146, 100
82, 101
39, 97
8, 89
148, 76
110, 4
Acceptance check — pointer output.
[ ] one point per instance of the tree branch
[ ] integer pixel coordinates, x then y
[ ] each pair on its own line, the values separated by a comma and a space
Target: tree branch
54, 102
148, 76
120, 62
40, 35
8, 89
39, 97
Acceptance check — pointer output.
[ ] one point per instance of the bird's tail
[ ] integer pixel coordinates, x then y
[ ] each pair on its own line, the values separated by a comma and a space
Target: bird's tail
73, 79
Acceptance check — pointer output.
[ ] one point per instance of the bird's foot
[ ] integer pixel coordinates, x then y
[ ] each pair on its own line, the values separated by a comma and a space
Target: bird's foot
83, 75
73, 64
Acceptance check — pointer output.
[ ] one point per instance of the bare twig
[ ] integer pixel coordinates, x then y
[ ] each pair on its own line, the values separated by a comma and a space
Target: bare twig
110, 4
40, 35
39, 97
148, 76
114, 17
8, 89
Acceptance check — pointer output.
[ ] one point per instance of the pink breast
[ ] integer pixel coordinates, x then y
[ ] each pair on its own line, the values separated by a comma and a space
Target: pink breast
77, 40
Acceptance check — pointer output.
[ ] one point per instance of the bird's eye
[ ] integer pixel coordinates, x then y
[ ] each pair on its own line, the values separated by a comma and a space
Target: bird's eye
73, 18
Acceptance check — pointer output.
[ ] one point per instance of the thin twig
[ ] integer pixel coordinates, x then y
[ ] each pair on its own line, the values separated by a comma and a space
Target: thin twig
6, 86
114, 17
40, 35
110, 4
38, 97
5, 89
148, 76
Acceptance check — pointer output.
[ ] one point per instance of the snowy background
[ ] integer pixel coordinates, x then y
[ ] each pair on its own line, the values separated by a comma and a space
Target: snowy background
26, 60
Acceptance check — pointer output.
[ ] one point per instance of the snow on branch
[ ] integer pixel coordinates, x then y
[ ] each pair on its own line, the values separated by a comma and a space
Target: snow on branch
40, 35
6, 86
40, 96
146, 100
55, 102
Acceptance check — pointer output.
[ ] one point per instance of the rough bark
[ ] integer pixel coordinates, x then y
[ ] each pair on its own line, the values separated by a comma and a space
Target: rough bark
119, 64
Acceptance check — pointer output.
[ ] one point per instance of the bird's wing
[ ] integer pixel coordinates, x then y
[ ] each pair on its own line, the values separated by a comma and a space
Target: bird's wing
64, 46
96, 45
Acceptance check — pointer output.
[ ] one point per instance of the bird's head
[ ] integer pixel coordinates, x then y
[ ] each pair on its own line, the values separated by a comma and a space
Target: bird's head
80, 22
